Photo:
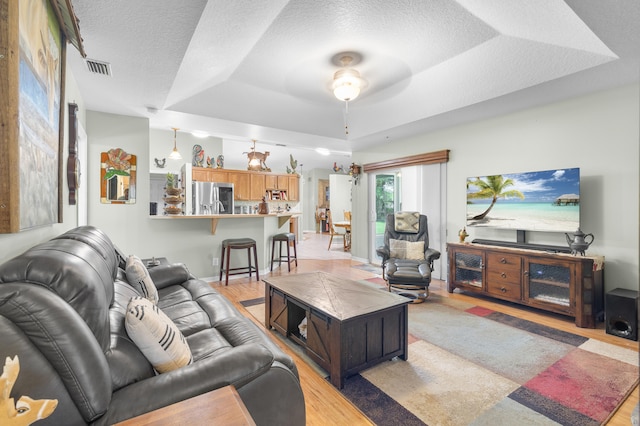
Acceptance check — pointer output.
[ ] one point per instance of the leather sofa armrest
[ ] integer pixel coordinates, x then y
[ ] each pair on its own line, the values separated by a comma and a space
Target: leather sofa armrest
236, 366
167, 275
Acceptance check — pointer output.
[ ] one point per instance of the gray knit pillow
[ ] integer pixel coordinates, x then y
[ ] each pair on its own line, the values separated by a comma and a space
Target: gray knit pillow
407, 222
138, 277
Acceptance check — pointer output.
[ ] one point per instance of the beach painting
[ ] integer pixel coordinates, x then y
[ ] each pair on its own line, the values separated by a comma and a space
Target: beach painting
546, 200
40, 97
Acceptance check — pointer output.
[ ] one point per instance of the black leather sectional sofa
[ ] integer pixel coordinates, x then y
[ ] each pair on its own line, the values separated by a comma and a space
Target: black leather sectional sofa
62, 311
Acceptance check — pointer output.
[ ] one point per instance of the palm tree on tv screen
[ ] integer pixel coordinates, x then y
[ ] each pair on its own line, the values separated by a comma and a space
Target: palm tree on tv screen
494, 188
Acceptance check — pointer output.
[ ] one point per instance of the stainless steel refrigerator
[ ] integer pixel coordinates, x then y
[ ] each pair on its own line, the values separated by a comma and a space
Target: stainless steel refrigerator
212, 198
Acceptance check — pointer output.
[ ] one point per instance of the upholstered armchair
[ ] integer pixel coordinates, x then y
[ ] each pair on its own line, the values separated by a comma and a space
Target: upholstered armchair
407, 260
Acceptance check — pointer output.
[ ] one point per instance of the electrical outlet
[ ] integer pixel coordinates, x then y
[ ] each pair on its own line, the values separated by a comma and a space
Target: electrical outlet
215, 261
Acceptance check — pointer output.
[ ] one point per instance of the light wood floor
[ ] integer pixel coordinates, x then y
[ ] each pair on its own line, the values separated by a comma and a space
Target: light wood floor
324, 404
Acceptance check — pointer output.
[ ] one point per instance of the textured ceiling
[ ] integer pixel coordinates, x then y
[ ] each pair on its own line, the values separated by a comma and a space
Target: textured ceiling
263, 70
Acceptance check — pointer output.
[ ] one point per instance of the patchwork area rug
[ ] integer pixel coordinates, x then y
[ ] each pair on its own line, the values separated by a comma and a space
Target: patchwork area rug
469, 365
369, 268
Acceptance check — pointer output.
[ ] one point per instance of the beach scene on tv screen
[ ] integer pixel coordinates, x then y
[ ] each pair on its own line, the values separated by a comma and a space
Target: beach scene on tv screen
546, 200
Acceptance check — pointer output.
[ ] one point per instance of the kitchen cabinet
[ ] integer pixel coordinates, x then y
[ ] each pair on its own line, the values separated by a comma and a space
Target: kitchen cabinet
294, 188
271, 182
274, 181
258, 187
205, 174
283, 182
252, 186
241, 186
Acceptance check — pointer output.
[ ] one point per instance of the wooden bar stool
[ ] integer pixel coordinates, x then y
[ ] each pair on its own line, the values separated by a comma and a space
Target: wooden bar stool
288, 238
238, 243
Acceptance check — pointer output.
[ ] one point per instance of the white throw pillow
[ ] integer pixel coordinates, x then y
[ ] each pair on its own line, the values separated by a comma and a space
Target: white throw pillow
156, 336
400, 249
138, 277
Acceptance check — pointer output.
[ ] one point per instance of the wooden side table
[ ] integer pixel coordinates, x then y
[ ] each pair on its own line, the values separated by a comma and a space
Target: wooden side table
219, 407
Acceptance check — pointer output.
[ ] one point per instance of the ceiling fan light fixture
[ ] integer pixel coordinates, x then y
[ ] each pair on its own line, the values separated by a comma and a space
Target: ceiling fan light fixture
346, 84
175, 155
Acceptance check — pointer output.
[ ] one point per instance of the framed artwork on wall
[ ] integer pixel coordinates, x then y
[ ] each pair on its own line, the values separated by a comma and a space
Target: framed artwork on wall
33, 43
118, 171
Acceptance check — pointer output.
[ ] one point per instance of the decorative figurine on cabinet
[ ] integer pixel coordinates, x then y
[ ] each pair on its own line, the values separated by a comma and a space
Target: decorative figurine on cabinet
463, 234
294, 164
198, 156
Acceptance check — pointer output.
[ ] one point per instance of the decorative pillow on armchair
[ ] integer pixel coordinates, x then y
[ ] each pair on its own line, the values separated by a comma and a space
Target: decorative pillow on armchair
138, 277
401, 249
407, 222
156, 336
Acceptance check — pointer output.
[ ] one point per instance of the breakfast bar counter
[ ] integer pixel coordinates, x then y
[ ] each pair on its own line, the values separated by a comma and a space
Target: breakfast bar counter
282, 217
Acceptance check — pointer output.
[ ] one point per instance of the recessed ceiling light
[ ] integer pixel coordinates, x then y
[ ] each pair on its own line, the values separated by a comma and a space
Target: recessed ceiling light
323, 151
199, 134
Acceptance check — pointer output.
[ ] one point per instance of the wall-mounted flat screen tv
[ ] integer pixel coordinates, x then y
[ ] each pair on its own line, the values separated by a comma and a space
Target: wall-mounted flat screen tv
547, 200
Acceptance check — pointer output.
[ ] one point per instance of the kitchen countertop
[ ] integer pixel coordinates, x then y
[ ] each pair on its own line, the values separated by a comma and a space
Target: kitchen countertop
282, 217
223, 216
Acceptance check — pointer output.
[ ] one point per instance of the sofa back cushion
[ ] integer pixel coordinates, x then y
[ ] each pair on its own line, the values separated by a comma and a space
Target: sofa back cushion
99, 241
78, 273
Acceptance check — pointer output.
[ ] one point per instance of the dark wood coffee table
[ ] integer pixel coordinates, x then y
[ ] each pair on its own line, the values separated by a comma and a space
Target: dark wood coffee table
350, 326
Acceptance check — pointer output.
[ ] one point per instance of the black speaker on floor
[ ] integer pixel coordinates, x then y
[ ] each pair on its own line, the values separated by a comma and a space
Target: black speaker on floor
621, 313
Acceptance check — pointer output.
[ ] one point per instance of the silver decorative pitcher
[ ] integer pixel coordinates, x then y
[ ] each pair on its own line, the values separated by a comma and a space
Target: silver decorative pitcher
578, 242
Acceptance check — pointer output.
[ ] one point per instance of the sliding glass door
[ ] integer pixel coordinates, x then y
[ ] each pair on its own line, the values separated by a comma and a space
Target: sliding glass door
386, 198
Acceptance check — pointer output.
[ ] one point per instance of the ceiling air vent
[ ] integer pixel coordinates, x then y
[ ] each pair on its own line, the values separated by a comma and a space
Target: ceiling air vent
98, 67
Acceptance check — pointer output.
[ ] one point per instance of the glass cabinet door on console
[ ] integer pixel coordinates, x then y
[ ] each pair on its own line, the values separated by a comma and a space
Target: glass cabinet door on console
466, 270
549, 285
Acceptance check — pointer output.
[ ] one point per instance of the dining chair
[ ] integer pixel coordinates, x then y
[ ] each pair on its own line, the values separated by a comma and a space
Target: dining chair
347, 234
332, 230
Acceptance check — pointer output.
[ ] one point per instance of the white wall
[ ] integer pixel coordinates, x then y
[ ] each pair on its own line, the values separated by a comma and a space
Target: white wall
309, 181
161, 145
339, 196
598, 133
432, 202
